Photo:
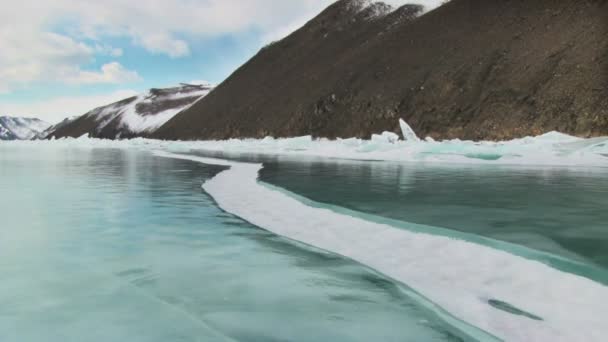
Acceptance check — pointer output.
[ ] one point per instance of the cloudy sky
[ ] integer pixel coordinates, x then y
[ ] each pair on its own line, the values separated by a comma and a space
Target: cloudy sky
64, 57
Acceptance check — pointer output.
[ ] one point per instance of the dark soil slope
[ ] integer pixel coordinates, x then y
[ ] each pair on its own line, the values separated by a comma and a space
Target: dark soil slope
478, 69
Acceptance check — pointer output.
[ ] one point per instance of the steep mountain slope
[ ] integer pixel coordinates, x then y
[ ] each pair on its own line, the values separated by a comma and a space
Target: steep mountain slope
13, 128
136, 116
49, 131
469, 69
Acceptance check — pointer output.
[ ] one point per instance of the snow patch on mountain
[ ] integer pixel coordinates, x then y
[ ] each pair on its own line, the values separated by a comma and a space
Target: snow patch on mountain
138, 123
146, 112
376, 9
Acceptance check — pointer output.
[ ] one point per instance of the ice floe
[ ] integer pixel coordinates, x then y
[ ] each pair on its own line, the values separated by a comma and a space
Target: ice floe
550, 149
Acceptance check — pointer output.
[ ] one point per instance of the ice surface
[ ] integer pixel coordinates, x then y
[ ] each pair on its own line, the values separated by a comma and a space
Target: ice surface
551, 149
385, 137
407, 131
465, 278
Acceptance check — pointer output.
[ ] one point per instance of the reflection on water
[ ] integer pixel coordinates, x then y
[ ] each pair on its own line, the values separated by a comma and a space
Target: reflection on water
112, 245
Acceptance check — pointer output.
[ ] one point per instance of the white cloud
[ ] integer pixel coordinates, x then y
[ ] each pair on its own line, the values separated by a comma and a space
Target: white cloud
116, 52
163, 43
29, 56
110, 73
158, 24
108, 50
56, 109
32, 51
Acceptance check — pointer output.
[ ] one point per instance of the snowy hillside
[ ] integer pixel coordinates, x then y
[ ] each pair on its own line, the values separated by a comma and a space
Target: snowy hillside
13, 128
136, 116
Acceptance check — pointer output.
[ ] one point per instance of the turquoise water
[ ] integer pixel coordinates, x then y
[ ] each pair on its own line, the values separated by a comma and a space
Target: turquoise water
119, 245
556, 210
513, 291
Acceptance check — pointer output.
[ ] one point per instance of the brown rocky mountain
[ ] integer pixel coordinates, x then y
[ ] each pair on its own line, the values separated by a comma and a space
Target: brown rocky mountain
478, 69
139, 115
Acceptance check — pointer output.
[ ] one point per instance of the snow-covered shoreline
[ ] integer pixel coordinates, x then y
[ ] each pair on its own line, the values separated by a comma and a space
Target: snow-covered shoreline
551, 149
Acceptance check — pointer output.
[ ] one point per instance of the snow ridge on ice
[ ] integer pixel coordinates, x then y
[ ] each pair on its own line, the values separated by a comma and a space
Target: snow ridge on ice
468, 280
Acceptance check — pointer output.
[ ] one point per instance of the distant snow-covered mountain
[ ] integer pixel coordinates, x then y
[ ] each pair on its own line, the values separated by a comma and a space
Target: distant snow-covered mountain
15, 128
136, 116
